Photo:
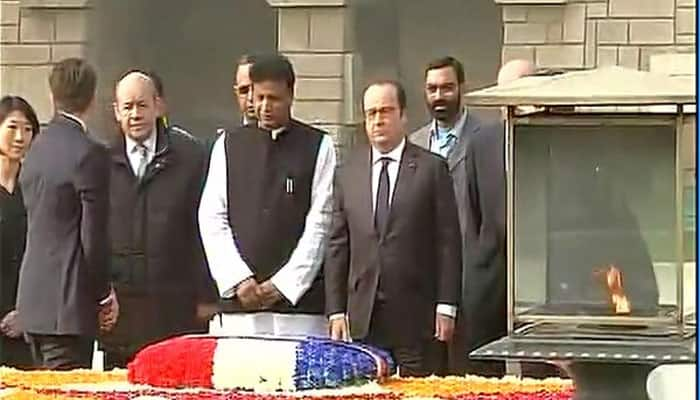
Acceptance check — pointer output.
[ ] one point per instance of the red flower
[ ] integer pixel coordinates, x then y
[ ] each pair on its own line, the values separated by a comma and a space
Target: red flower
186, 364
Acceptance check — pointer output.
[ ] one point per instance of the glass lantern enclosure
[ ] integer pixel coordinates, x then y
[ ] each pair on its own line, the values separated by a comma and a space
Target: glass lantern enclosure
600, 240
600, 177
596, 206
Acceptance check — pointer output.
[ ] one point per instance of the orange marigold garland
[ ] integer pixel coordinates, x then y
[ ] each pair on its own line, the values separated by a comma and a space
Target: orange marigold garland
39, 395
46, 385
453, 385
26, 394
10, 378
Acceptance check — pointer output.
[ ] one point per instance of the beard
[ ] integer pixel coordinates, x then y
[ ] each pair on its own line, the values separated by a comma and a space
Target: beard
444, 110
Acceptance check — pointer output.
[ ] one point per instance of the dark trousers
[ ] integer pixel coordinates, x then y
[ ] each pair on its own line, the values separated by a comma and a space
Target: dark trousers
116, 359
491, 369
61, 352
452, 358
541, 370
416, 358
15, 353
474, 333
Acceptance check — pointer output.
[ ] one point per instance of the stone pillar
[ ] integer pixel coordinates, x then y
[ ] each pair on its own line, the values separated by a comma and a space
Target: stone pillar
681, 65
575, 34
34, 34
316, 36
685, 21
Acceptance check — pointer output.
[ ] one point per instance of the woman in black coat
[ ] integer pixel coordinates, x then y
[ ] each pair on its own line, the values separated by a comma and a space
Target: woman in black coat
18, 125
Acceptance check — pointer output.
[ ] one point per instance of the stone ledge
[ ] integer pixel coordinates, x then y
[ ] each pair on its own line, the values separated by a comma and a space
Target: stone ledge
55, 4
307, 3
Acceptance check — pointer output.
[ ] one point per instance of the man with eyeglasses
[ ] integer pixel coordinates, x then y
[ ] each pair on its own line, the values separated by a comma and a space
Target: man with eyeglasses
243, 93
393, 259
449, 134
158, 266
243, 89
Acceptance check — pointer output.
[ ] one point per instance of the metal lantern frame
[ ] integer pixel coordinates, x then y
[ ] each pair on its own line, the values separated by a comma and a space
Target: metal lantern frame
605, 96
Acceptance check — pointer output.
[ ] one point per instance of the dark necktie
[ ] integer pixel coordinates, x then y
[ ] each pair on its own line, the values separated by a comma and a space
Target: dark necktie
381, 212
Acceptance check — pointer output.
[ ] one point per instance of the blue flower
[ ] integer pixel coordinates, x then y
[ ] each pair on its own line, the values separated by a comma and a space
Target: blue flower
323, 363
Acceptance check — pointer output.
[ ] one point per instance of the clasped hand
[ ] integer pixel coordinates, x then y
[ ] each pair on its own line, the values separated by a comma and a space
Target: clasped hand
257, 296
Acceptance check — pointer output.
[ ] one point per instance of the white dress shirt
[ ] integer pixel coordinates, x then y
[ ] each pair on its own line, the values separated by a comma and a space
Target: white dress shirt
225, 262
74, 118
393, 170
133, 153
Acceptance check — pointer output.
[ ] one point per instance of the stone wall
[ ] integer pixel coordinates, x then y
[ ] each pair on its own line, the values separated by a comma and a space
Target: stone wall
315, 35
34, 34
576, 34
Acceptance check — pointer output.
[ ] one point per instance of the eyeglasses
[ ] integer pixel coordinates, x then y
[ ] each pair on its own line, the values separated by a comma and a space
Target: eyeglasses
382, 111
242, 90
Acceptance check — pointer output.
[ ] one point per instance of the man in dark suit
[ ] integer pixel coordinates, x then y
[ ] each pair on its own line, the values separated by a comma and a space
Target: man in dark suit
394, 260
158, 264
449, 134
243, 89
485, 296
64, 277
485, 236
210, 307
243, 92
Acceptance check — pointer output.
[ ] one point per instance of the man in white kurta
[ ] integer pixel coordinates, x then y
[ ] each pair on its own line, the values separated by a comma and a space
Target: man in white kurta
265, 214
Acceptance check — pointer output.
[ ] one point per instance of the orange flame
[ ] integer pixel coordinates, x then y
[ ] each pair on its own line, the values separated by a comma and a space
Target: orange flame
612, 278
